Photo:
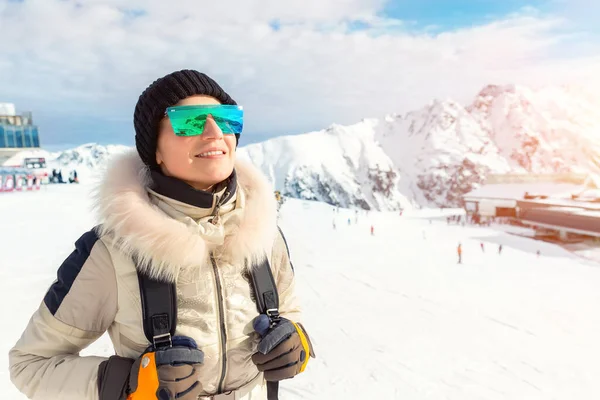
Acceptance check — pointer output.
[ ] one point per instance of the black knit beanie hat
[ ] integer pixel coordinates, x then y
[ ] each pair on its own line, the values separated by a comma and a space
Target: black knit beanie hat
163, 93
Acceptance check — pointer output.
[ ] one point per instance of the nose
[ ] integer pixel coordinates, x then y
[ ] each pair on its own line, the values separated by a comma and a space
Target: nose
211, 130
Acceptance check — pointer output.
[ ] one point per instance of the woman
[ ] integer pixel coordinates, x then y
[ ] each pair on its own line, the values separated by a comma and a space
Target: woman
183, 210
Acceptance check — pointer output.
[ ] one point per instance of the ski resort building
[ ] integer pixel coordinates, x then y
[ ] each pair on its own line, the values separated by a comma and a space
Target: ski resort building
564, 205
22, 164
17, 132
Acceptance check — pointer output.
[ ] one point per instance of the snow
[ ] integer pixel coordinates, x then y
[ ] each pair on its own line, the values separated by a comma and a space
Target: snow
7, 109
89, 160
392, 316
567, 202
428, 157
337, 165
17, 158
589, 194
433, 155
517, 191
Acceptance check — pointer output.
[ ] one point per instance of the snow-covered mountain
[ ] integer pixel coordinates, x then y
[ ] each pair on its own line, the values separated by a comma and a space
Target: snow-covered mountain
427, 157
430, 157
90, 156
88, 160
342, 165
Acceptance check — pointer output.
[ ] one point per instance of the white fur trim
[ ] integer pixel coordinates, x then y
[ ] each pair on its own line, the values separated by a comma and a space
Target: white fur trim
164, 245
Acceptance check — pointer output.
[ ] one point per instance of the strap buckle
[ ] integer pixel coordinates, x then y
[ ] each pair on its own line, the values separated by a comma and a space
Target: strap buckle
163, 340
273, 314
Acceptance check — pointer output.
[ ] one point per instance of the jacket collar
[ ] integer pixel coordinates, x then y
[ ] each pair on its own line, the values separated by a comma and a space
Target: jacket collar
178, 190
164, 245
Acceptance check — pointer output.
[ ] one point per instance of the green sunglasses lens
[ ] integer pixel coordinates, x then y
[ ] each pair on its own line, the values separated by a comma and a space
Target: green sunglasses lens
190, 120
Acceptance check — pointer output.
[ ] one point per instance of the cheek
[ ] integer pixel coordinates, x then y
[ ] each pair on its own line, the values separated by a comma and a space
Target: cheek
173, 149
230, 141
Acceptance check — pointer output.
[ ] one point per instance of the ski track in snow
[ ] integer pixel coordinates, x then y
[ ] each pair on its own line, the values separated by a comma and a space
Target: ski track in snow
392, 316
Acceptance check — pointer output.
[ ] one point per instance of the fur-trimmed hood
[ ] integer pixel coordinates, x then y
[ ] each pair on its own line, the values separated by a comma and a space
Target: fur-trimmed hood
164, 245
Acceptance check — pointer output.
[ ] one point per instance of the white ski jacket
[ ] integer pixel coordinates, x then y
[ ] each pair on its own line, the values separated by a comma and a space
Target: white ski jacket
97, 287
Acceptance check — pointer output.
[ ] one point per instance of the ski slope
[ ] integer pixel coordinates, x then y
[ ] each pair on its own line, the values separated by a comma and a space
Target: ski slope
392, 316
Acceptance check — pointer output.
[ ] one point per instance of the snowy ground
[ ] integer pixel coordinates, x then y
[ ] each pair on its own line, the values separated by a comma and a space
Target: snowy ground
393, 316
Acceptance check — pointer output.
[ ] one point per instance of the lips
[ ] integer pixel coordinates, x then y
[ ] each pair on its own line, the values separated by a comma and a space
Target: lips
211, 153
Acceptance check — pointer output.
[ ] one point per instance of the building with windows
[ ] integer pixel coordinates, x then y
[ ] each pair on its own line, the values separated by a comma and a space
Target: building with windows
560, 205
17, 132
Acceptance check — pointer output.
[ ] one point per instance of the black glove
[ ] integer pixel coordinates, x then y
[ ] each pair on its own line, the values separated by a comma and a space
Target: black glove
162, 374
283, 351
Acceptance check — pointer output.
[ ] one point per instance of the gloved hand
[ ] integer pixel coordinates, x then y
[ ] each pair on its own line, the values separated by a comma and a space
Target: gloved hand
284, 349
162, 374
167, 374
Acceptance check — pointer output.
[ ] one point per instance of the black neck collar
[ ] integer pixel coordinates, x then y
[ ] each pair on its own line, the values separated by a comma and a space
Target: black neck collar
178, 190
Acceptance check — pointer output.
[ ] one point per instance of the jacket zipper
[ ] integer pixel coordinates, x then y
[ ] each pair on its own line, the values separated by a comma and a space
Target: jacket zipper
222, 320
218, 203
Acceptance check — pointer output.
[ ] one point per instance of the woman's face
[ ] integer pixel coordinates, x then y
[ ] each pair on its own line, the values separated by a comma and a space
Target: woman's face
185, 158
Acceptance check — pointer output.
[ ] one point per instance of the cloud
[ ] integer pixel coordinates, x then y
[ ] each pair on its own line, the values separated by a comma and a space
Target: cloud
579, 11
295, 65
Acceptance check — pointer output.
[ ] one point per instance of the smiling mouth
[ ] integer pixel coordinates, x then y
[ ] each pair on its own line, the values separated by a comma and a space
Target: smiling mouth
212, 153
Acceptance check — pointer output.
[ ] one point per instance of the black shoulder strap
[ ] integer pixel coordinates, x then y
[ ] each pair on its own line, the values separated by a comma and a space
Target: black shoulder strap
159, 307
272, 390
265, 289
159, 310
267, 302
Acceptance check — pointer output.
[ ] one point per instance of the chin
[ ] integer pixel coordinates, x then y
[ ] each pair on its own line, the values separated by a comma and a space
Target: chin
215, 178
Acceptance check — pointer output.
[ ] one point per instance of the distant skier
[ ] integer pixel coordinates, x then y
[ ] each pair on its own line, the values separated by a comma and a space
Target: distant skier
459, 252
482, 247
349, 222
372, 230
500, 249
334, 224
538, 253
73, 177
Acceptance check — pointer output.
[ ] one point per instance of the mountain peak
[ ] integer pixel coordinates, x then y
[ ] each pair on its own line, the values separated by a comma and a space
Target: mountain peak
427, 157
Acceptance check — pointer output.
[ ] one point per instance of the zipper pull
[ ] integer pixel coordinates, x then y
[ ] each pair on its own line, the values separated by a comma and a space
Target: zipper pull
215, 214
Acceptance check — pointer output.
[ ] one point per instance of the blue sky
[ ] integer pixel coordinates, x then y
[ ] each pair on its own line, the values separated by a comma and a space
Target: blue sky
79, 67
453, 14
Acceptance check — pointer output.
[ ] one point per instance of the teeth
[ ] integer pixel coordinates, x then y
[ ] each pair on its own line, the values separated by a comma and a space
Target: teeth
211, 153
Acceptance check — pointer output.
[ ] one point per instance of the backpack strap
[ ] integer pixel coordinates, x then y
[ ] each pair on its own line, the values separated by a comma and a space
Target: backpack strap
159, 310
267, 302
159, 307
265, 290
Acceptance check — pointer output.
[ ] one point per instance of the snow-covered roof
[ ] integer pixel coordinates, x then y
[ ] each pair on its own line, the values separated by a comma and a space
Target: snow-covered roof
589, 213
516, 191
590, 194
7, 109
17, 158
566, 204
568, 219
